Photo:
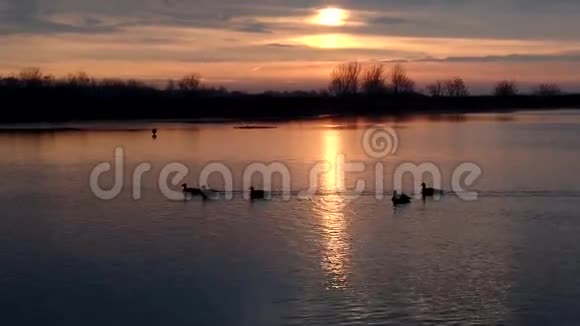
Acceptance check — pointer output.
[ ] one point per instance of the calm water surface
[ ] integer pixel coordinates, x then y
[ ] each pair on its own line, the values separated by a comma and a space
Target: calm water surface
512, 257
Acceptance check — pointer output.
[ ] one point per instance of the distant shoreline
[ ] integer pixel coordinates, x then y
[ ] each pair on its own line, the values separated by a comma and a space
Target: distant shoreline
240, 124
47, 105
354, 91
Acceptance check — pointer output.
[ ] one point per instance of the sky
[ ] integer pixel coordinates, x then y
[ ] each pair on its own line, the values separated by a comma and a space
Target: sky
286, 45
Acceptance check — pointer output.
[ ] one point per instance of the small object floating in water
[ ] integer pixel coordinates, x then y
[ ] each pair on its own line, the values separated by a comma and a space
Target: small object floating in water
400, 199
154, 133
257, 194
429, 192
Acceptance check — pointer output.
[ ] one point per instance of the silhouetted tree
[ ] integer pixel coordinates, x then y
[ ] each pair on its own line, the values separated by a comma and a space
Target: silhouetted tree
373, 80
31, 73
345, 79
456, 87
436, 89
31, 77
400, 82
191, 82
548, 90
506, 88
79, 79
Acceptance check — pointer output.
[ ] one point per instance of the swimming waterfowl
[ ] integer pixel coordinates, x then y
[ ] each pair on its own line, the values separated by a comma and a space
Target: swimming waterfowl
257, 194
206, 188
429, 192
210, 193
400, 199
193, 191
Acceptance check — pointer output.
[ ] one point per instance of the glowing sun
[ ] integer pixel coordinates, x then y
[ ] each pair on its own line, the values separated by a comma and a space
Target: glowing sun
332, 17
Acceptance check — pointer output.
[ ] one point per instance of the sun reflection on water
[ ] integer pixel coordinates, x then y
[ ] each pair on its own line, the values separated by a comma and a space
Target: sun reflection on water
330, 208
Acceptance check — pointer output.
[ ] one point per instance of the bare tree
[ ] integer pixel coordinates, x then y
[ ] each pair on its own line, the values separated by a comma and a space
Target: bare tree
79, 79
31, 76
373, 80
506, 88
456, 87
191, 82
31, 73
400, 82
548, 90
345, 79
436, 89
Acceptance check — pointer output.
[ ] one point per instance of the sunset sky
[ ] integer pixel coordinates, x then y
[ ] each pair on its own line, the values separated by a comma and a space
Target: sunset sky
274, 44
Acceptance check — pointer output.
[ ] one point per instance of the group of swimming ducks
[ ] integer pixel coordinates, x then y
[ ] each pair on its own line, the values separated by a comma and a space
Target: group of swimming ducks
205, 192
426, 192
398, 199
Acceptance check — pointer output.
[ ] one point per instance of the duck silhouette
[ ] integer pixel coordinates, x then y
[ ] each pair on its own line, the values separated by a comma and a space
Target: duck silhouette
429, 192
400, 199
193, 191
257, 194
210, 193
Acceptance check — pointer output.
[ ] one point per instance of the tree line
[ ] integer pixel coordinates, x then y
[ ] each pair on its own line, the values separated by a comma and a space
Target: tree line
34, 78
353, 78
347, 79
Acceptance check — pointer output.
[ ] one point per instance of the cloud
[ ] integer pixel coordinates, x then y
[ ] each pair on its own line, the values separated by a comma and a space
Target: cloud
280, 45
251, 27
40, 26
26, 17
508, 19
219, 32
503, 58
388, 20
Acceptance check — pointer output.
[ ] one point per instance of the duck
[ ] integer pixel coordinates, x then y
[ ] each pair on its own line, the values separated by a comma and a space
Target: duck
400, 199
154, 132
193, 191
257, 194
429, 192
206, 188
208, 192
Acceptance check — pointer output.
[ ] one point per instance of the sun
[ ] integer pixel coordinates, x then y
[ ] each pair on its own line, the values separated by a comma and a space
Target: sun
332, 17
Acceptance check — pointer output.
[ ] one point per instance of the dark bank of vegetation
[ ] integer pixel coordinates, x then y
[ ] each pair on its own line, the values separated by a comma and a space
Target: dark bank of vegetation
354, 89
